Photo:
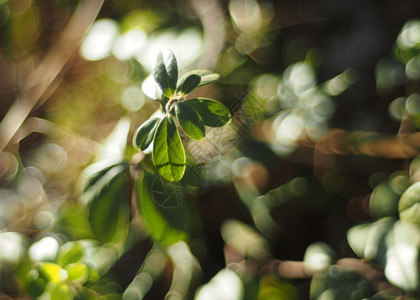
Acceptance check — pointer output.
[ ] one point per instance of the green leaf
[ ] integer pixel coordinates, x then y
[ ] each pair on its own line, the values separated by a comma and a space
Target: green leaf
357, 237
77, 272
165, 72
383, 201
145, 133
69, 253
402, 256
108, 208
35, 283
61, 291
188, 84
190, 121
409, 204
368, 241
207, 77
52, 272
273, 288
339, 284
376, 243
168, 151
387, 294
163, 209
213, 113
318, 257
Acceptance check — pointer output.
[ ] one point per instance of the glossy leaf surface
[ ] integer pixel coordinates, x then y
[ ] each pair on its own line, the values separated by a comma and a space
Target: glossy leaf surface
188, 84
190, 121
168, 151
165, 72
409, 204
207, 77
143, 136
213, 113
108, 209
163, 209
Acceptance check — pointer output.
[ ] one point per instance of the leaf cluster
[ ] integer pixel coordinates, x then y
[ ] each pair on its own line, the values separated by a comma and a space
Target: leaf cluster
160, 131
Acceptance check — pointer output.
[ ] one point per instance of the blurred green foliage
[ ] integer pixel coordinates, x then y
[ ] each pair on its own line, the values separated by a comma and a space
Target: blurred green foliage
307, 188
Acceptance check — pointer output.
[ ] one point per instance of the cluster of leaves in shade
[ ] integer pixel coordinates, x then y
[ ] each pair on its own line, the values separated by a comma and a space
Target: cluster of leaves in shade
192, 115
391, 243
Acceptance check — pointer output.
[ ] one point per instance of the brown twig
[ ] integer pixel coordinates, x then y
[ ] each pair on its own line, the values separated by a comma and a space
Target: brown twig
38, 83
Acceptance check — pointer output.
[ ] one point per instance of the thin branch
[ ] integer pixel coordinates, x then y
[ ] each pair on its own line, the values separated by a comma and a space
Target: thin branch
41, 79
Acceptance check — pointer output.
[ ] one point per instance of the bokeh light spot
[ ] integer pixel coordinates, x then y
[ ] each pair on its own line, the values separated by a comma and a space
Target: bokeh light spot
132, 98
396, 108
410, 35
44, 249
99, 40
129, 44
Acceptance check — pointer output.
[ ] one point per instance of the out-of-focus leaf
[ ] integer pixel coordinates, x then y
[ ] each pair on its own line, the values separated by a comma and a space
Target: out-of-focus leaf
108, 208
207, 77
165, 72
387, 294
100, 258
52, 272
151, 269
318, 257
376, 244
151, 89
77, 272
274, 288
213, 113
61, 291
368, 240
143, 136
188, 84
69, 253
409, 205
357, 237
339, 284
166, 224
35, 283
86, 294
190, 121
225, 285
74, 221
168, 151
402, 264
244, 239
403, 232
92, 174
383, 201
